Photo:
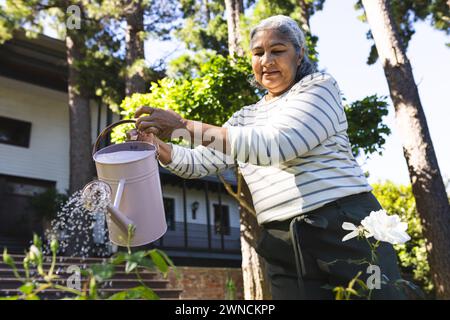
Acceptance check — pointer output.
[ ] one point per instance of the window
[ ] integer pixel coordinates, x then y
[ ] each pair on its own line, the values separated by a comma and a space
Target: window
19, 217
221, 225
169, 208
15, 132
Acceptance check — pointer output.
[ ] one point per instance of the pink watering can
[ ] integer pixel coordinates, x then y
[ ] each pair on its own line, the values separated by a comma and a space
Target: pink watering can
131, 173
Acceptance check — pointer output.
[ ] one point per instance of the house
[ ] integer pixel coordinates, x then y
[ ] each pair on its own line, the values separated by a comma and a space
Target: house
203, 220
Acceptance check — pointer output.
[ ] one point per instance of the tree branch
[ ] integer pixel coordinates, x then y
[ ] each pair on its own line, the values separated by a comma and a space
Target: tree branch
237, 195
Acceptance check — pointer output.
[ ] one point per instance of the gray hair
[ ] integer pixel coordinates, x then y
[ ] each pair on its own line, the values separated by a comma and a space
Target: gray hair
290, 29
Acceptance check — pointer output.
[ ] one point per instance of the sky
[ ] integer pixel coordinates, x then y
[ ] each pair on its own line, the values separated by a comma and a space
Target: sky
343, 50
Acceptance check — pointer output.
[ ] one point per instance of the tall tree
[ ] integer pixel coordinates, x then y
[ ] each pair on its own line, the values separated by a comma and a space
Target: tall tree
426, 180
81, 168
204, 26
256, 284
134, 15
133, 21
234, 9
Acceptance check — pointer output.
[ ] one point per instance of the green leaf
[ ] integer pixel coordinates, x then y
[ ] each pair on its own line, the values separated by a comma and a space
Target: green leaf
170, 262
32, 297
122, 295
159, 261
37, 241
7, 259
130, 266
142, 292
119, 258
102, 271
137, 256
10, 298
147, 263
27, 288
92, 288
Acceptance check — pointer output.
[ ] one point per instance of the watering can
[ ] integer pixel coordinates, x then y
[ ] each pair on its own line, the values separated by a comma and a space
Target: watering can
136, 187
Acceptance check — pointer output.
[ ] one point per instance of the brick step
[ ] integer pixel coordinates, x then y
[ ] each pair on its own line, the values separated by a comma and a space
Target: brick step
13, 248
17, 246
61, 265
19, 257
115, 283
52, 294
120, 280
144, 274
61, 261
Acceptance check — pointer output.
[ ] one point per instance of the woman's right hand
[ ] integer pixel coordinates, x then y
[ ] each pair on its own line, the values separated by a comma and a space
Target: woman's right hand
165, 150
135, 135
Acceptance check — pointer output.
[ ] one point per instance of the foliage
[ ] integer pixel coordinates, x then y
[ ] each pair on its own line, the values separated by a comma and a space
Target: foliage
366, 129
188, 65
48, 203
220, 89
37, 281
355, 288
204, 27
230, 289
399, 199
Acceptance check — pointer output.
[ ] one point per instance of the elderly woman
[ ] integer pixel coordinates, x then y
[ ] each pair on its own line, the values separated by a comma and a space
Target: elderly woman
294, 154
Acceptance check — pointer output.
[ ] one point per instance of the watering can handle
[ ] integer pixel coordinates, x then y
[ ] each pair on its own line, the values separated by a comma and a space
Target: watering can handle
107, 130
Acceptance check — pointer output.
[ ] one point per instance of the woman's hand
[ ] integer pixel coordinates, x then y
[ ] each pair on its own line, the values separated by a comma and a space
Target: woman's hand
159, 122
165, 150
135, 135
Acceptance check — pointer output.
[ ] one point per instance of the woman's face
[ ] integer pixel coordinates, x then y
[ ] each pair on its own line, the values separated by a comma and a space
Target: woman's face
274, 61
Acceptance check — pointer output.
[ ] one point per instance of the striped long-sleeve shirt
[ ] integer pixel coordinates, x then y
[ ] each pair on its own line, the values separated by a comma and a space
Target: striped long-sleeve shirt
293, 151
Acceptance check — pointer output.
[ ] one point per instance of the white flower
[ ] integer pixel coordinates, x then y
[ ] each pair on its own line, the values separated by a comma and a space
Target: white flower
384, 227
355, 231
34, 252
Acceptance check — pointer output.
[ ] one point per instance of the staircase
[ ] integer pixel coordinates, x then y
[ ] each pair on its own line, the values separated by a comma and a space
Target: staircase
13, 245
120, 281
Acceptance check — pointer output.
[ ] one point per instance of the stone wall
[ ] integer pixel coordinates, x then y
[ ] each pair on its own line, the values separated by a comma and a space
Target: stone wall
206, 283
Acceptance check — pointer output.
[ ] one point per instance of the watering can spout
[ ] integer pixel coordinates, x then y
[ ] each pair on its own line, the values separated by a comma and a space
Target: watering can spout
119, 218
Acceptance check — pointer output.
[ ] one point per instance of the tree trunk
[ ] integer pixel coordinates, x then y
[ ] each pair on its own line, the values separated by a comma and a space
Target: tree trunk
233, 10
427, 184
81, 164
207, 11
304, 16
256, 284
135, 58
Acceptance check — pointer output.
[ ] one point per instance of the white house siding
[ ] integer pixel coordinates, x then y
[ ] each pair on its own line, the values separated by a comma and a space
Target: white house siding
47, 157
48, 154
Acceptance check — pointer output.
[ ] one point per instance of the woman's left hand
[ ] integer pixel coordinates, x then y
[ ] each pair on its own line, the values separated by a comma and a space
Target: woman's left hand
159, 122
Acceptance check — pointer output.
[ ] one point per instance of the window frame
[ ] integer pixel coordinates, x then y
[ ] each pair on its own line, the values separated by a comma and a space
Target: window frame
21, 130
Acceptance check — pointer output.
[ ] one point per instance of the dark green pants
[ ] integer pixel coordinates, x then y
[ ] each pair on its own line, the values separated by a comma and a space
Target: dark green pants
311, 244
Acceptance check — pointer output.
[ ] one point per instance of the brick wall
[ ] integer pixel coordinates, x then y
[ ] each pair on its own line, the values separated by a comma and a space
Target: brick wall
206, 283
